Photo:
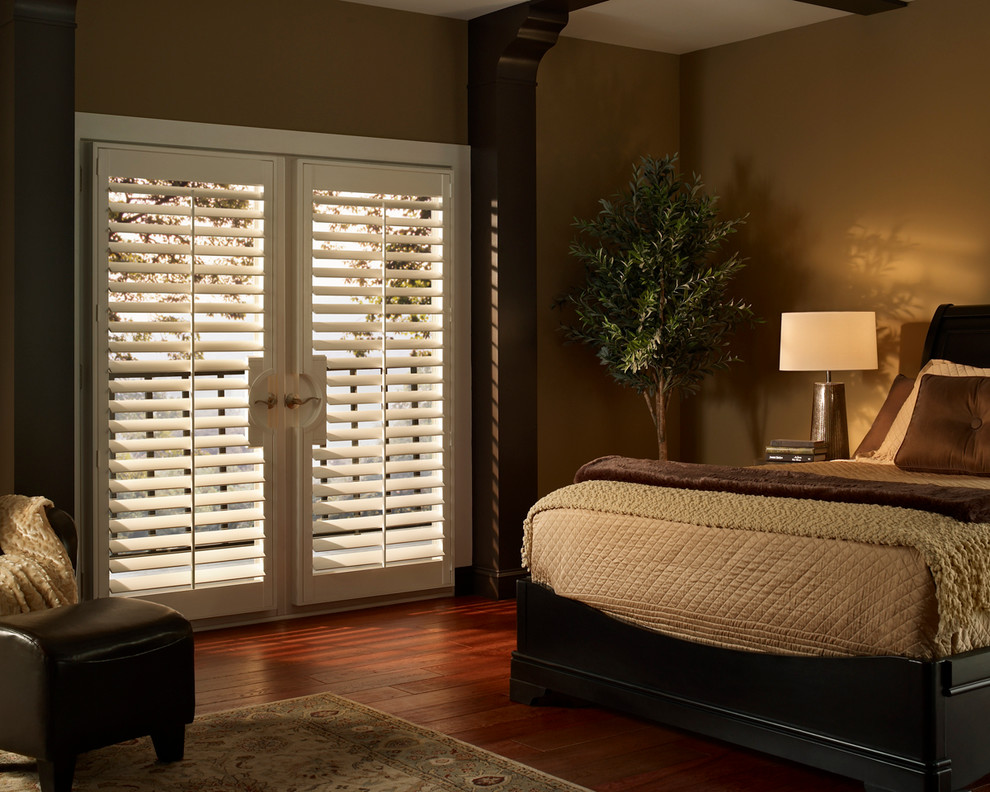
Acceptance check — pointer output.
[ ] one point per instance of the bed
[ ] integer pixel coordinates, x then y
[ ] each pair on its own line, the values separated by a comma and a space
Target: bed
884, 677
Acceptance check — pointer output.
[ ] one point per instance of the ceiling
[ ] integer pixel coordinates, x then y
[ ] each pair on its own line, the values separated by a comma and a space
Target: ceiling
673, 26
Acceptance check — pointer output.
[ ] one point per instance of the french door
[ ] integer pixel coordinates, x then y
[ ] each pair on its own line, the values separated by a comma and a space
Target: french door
272, 425
373, 293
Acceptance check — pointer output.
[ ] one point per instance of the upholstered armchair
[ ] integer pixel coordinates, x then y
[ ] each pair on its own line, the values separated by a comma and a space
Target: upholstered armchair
81, 676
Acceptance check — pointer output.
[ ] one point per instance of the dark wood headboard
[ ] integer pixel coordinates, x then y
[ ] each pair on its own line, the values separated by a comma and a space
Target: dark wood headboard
960, 333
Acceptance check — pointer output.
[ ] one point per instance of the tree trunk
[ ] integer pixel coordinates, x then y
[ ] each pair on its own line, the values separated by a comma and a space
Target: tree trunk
657, 402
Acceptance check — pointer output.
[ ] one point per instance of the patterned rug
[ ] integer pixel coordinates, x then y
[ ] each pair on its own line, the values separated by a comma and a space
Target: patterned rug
316, 743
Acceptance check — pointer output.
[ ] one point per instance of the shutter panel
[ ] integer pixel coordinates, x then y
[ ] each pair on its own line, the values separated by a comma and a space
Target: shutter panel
377, 240
185, 311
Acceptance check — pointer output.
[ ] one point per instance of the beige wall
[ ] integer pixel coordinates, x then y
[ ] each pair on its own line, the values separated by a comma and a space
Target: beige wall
860, 148
309, 65
599, 109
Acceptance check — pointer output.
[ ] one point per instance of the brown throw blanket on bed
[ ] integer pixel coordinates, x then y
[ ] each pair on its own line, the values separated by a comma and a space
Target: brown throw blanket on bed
960, 503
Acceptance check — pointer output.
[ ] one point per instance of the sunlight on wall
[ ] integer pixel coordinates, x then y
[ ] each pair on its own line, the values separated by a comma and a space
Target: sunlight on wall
860, 179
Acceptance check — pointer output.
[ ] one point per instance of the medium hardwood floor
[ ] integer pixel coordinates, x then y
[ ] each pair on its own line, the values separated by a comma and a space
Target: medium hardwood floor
444, 664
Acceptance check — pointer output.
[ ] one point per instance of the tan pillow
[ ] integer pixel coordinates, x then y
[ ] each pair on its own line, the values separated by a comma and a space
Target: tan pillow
950, 428
895, 436
900, 389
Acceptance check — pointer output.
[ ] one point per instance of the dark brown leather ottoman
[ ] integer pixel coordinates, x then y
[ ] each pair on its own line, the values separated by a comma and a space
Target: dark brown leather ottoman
88, 675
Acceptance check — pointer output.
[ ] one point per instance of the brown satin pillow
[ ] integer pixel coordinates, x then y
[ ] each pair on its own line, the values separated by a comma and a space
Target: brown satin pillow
900, 389
895, 436
950, 427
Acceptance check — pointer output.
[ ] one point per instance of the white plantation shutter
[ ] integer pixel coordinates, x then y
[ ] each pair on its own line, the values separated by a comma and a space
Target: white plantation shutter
272, 368
377, 242
183, 285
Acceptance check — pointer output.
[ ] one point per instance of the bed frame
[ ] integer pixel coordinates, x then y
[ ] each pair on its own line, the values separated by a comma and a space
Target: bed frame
891, 722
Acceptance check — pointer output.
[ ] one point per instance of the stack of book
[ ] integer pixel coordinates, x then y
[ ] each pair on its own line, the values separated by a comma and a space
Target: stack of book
797, 451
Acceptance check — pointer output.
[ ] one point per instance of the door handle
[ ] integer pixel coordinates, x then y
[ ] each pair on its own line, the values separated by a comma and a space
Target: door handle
293, 400
306, 411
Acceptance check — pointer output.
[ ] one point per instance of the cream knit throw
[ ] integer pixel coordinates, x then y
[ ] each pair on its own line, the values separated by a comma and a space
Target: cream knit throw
35, 570
957, 553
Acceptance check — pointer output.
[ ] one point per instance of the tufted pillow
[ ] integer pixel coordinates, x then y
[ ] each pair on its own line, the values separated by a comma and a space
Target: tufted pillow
895, 436
950, 428
900, 389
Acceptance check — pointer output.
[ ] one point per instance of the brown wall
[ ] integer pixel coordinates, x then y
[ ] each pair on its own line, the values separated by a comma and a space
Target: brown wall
859, 148
310, 65
6, 259
297, 64
599, 109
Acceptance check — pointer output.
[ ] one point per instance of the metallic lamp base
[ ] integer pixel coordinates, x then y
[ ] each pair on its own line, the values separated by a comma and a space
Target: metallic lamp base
828, 419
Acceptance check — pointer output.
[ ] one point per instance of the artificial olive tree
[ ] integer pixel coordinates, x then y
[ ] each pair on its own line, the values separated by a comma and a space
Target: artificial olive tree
655, 303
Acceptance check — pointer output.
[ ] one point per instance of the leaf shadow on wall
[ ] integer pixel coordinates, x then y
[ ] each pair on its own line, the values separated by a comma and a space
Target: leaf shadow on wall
772, 241
779, 277
870, 281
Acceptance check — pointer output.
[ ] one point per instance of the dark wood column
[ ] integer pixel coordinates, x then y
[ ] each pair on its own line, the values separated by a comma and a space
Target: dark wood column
37, 104
505, 52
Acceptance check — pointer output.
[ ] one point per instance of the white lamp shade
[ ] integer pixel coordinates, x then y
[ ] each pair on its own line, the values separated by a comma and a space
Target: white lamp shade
828, 341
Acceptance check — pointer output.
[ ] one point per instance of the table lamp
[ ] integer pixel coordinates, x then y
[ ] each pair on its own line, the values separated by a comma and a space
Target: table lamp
829, 341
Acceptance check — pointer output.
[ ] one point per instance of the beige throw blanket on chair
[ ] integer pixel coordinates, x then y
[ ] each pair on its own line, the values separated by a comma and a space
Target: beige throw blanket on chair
35, 570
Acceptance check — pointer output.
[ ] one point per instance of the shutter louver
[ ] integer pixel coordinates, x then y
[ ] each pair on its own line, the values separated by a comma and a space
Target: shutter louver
185, 312
377, 316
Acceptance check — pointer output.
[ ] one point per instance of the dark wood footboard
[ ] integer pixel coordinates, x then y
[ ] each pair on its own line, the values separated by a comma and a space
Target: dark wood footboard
893, 723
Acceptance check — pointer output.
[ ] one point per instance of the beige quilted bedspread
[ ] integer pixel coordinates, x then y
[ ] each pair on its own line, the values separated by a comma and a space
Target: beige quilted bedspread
766, 574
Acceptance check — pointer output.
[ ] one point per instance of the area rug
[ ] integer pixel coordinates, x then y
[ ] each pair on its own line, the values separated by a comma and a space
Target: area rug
320, 742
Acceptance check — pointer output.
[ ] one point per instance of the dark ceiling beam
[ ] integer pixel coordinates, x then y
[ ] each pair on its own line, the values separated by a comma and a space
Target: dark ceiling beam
574, 5
858, 6
850, 6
